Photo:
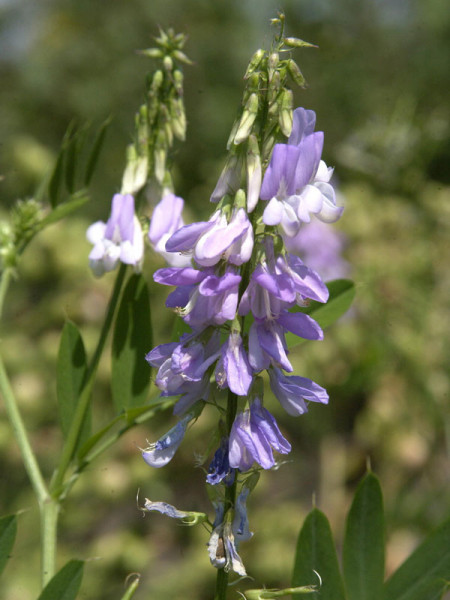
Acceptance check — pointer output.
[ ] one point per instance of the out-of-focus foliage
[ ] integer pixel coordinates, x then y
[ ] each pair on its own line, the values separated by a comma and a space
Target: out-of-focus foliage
380, 87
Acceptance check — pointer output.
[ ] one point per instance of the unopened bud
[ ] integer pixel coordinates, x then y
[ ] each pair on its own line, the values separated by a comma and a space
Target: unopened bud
136, 171
273, 60
285, 114
254, 173
247, 119
229, 180
151, 52
178, 118
295, 73
178, 81
254, 63
168, 63
293, 42
181, 56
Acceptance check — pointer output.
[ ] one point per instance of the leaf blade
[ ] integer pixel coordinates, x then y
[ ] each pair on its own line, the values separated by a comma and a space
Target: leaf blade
65, 584
363, 552
132, 339
8, 531
423, 575
316, 552
70, 377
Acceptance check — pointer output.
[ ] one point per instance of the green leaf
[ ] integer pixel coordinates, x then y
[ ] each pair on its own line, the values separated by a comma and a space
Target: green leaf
8, 530
342, 293
363, 551
131, 341
316, 552
70, 377
54, 184
65, 584
62, 210
94, 439
95, 152
425, 574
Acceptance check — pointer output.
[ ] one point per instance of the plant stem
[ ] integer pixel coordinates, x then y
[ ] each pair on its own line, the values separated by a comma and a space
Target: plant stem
49, 523
4, 284
83, 403
230, 498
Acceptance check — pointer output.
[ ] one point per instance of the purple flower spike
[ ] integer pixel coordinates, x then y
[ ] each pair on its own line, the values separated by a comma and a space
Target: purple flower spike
119, 239
160, 453
233, 369
167, 219
253, 436
293, 392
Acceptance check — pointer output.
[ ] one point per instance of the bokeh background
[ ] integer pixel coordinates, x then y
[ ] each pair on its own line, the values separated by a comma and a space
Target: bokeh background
379, 84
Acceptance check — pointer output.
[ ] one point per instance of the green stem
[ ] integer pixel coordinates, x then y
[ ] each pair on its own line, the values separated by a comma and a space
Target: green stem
230, 498
83, 403
20, 433
49, 524
4, 284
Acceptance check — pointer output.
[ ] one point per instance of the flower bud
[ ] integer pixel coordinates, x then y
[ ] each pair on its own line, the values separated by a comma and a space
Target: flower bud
285, 112
254, 63
168, 63
178, 81
178, 118
294, 42
247, 119
157, 80
295, 73
254, 173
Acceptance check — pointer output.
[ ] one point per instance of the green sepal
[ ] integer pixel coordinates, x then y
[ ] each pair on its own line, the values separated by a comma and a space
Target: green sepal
425, 575
71, 373
130, 378
316, 552
363, 551
65, 584
8, 530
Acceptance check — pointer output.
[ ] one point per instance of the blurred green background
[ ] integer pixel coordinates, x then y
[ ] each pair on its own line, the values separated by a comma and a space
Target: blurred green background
379, 84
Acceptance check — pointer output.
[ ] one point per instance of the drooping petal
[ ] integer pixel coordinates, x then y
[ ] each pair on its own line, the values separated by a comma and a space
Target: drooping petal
304, 122
302, 325
159, 454
185, 238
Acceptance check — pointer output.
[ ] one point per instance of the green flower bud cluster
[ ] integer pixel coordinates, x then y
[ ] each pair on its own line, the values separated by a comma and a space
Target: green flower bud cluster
24, 221
161, 118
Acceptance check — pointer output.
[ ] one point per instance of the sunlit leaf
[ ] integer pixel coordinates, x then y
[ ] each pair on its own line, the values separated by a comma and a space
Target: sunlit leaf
363, 553
65, 584
425, 575
54, 185
8, 530
63, 210
132, 340
316, 552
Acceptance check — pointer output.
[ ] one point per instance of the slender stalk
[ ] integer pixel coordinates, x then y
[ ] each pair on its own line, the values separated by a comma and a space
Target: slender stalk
4, 285
49, 523
83, 403
230, 498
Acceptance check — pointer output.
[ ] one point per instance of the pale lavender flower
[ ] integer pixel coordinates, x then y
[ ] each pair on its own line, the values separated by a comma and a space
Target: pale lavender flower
296, 182
294, 392
117, 240
212, 302
167, 219
267, 344
254, 435
233, 368
216, 239
161, 452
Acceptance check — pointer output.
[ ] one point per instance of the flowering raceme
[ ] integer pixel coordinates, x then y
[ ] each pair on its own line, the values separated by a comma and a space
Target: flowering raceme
240, 296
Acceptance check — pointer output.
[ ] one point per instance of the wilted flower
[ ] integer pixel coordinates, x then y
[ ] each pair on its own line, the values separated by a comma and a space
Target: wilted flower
119, 239
161, 452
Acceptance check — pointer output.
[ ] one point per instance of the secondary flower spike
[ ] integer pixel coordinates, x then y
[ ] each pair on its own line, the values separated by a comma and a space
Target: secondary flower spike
117, 240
